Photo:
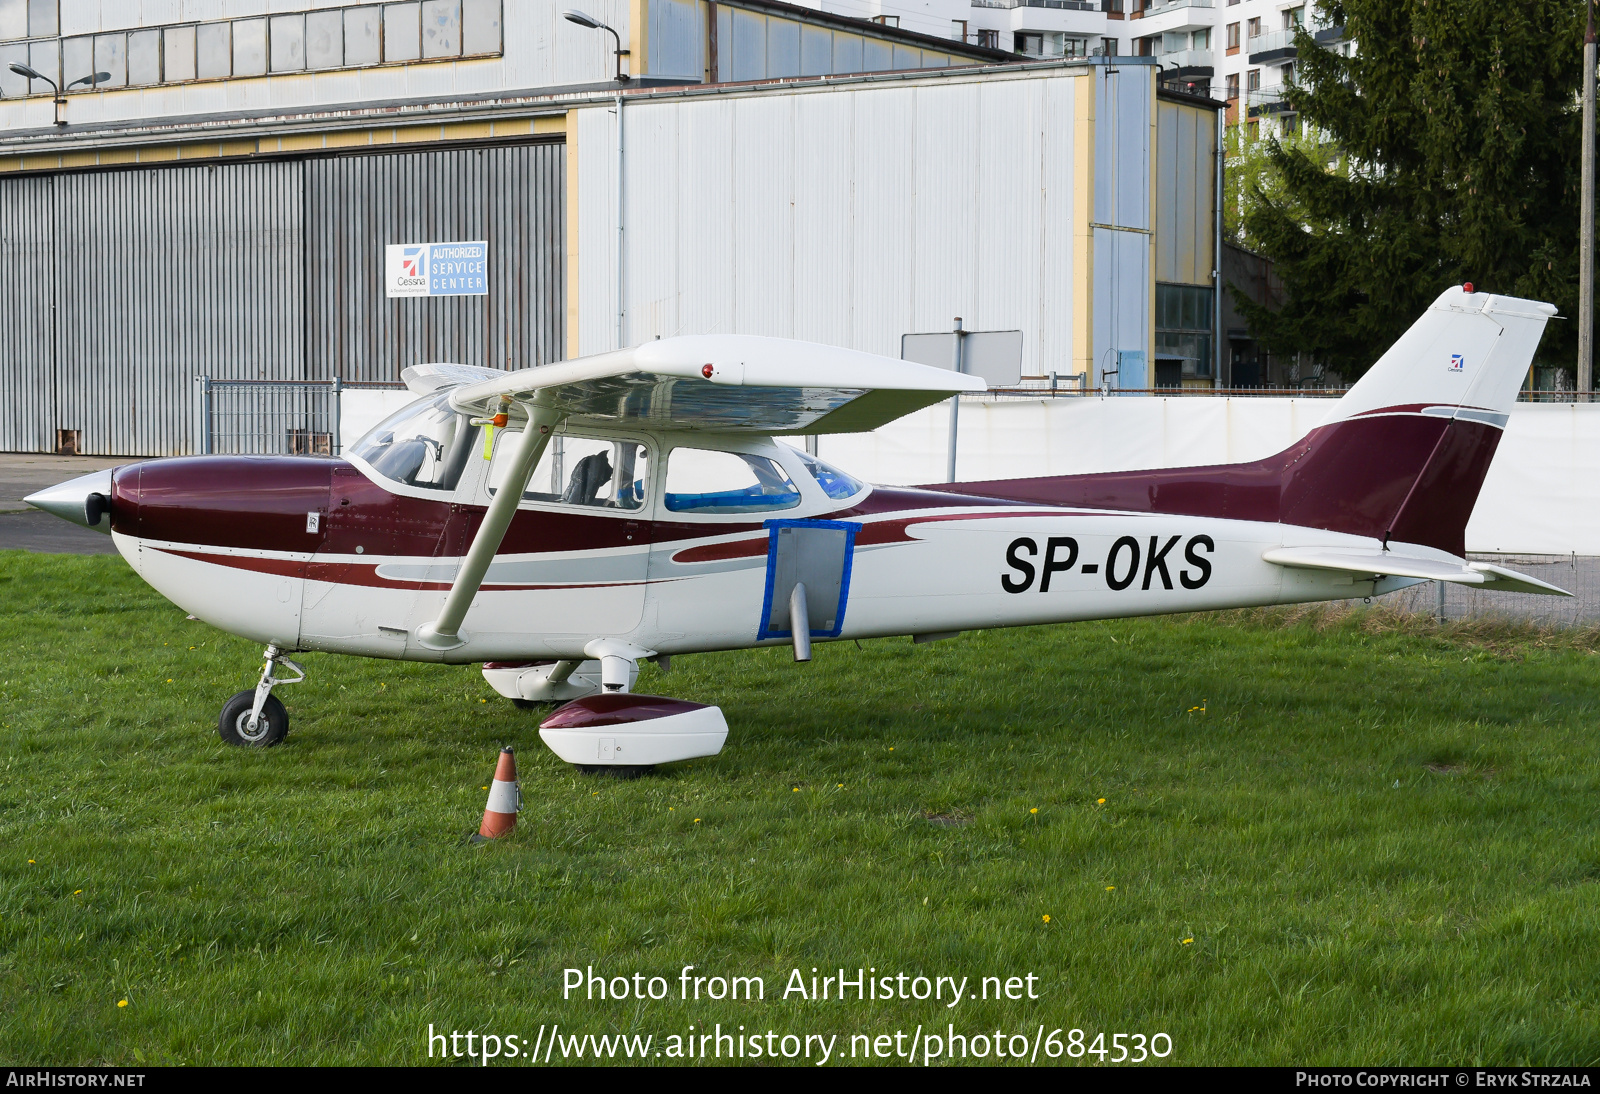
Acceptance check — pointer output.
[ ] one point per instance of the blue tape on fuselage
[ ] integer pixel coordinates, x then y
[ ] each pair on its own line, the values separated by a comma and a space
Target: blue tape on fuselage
849, 529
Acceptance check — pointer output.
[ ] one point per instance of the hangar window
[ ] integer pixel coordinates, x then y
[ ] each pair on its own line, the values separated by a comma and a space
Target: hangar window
250, 47
28, 19
288, 38
324, 39
144, 58
354, 36
426, 444
441, 28
700, 480
213, 50
177, 47
402, 32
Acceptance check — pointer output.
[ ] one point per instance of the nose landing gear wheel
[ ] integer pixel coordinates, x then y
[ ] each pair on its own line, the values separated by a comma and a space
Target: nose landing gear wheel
271, 726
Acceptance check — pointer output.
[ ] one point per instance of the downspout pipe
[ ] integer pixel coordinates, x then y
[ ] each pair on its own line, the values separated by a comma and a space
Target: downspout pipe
1217, 341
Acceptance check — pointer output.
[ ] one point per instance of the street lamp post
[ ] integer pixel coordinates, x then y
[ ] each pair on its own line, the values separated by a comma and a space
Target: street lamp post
1586, 218
93, 80
583, 20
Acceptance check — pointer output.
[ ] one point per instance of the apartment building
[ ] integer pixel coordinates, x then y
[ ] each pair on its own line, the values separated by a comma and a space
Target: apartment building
1241, 50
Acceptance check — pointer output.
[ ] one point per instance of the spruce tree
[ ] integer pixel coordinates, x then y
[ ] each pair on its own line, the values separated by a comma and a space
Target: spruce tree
1460, 126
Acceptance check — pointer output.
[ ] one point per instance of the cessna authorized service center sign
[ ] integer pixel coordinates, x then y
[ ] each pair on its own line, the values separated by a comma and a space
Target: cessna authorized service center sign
437, 269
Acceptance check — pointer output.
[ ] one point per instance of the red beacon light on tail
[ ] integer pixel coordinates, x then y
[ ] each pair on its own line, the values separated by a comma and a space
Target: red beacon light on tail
1467, 287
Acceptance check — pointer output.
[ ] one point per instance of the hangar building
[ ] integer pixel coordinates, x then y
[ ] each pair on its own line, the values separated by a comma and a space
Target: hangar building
217, 202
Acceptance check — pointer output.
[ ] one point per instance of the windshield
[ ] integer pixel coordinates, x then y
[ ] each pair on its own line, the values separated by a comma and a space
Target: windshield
835, 483
426, 444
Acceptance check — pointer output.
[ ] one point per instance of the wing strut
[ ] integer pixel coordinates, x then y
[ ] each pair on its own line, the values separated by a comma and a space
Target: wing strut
444, 633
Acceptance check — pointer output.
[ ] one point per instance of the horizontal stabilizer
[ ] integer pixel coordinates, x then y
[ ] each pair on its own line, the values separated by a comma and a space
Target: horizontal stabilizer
1509, 581
1374, 563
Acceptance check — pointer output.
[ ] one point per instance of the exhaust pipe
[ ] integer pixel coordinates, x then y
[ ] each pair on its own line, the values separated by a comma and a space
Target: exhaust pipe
800, 622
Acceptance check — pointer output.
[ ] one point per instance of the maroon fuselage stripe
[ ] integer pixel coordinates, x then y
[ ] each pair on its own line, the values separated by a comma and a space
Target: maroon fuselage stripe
1394, 472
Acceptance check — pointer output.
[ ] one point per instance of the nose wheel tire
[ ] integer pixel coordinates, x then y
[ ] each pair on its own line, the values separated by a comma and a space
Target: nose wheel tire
234, 724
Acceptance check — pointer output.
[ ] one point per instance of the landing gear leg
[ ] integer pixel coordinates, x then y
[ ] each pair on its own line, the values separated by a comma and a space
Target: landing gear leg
257, 719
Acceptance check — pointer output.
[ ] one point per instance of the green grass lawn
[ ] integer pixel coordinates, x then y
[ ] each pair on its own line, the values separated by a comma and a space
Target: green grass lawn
1322, 840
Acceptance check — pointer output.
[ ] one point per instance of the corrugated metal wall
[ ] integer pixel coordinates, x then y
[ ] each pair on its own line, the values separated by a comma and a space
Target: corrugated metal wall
511, 196
848, 217
1124, 107
1186, 176
163, 276
265, 270
27, 266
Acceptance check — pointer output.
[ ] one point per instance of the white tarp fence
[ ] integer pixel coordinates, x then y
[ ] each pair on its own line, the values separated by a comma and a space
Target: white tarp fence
1542, 495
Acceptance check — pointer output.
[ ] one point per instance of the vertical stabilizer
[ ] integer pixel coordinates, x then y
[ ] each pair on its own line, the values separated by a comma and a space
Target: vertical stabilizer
1400, 458
1468, 350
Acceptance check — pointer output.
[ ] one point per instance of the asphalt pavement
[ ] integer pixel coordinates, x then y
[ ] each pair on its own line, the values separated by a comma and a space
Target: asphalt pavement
24, 528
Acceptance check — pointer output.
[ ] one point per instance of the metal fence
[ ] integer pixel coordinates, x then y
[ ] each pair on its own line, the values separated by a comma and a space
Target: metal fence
274, 417
1578, 574
1063, 385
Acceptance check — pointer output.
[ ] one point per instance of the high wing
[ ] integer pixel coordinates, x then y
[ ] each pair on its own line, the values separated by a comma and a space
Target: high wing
710, 382
425, 379
1374, 563
724, 382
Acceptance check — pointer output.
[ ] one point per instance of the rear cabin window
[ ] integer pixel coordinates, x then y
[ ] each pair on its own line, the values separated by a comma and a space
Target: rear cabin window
604, 474
701, 480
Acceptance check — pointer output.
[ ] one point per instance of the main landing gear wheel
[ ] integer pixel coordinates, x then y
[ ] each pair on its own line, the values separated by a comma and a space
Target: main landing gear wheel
271, 726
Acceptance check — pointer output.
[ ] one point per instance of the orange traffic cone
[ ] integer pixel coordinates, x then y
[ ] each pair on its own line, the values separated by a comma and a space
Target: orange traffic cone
500, 815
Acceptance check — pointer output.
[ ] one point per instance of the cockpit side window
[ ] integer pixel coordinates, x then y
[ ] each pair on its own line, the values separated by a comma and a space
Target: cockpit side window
587, 471
426, 444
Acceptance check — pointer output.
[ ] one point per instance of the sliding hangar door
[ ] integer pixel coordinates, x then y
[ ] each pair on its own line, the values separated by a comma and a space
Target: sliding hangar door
119, 287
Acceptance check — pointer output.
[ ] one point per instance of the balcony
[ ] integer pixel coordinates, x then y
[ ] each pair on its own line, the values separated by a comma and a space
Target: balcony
1267, 104
1058, 5
1197, 62
1176, 16
1274, 47
1161, 7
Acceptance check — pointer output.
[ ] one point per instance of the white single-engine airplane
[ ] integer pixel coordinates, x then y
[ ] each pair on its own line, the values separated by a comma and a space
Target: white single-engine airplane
561, 524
